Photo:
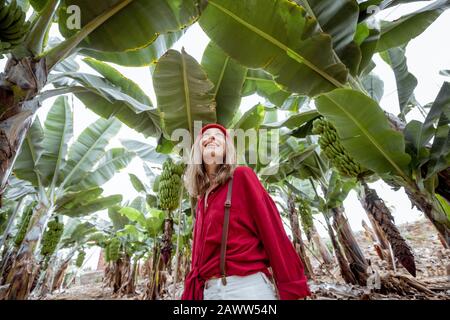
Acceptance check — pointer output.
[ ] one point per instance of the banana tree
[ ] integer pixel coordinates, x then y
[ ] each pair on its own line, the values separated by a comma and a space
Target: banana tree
121, 31
346, 44
66, 177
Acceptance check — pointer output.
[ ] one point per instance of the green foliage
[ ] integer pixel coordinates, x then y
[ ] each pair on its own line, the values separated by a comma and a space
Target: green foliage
51, 237
13, 27
170, 185
334, 150
113, 250
23, 225
305, 212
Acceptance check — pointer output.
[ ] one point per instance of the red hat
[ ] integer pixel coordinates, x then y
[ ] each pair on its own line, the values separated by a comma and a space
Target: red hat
214, 125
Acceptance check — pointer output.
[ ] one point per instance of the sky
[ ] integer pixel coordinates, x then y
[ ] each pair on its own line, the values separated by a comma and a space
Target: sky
427, 55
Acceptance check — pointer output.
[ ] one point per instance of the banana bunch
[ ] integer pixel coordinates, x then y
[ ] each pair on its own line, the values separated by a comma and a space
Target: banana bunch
51, 237
305, 213
334, 150
80, 258
112, 252
23, 226
169, 185
13, 27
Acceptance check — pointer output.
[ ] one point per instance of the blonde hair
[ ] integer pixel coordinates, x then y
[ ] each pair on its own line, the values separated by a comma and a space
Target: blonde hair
196, 180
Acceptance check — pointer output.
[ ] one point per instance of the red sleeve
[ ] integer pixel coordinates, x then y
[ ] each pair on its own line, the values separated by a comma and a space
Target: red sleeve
286, 264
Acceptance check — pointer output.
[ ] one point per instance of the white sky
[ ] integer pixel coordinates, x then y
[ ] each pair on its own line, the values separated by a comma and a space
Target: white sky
427, 55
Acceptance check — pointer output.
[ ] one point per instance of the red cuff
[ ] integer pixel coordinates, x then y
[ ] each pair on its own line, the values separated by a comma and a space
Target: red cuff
293, 290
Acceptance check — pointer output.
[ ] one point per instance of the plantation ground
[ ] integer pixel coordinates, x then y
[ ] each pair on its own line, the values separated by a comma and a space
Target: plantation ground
432, 281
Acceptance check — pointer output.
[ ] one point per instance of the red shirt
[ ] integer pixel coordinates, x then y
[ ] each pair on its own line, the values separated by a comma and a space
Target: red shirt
256, 239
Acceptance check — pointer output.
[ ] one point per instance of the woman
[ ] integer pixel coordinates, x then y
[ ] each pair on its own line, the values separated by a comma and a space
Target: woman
256, 237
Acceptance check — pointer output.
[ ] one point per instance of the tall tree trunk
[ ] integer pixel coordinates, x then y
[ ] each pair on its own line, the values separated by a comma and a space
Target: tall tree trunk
20, 82
297, 237
353, 253
346, 273
379, 212
22, 274
316, 239
126, 274
166, 246
432, 209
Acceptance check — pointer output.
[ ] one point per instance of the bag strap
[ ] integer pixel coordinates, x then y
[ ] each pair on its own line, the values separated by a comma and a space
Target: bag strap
223, 246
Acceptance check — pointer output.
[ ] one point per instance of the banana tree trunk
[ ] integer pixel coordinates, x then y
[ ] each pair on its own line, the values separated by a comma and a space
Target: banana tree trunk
380, 214
22, 272
433, 210
20, 82
443, 188
316, 239
166, 246
297, 237
346, 273
357, 262
126, 274
7, 264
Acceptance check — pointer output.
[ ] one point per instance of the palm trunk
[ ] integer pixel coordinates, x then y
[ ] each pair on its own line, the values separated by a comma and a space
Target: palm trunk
297, 237
320, 246
380, 214
126, 274
357, 262
433, 210
20, 83
166, 247
22, 273
346, 273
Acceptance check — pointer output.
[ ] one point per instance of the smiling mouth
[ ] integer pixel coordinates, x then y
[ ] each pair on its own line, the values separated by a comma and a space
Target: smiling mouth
211, 144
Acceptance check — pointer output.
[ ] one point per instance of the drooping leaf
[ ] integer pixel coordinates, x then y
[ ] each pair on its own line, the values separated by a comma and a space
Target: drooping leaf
137, 183
112, 162
374, 86
57, 133
228, 77
133, 215
406, 81
25, 167
252, 119
88, 148
135, 26
183, 92
402, 30
293, 121
93, 206
145, 151
278, 37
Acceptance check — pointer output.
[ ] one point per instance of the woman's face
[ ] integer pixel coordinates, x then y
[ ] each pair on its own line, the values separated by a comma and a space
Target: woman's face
213, 146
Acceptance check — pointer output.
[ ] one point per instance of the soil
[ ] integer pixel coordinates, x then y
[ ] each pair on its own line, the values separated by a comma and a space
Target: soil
432, 280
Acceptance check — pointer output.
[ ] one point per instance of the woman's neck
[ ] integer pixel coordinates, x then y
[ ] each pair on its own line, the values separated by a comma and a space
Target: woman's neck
211, 170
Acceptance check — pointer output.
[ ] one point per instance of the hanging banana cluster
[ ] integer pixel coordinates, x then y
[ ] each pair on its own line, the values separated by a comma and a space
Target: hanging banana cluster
305, 213
334, 150
23, 226
112, 250
51, 237
170, 185
80, 258
13, 27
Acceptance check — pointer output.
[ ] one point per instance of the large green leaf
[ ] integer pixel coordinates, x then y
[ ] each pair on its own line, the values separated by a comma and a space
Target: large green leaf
118, 220
138, 185
73, 199
406, 81
183, 92
57, 133
374, 86
76, 232
252, 119
440, 150
228, 78
339, 19
365, 131
25, 166
88, 149
133, 215
145, 151
92, 206
293, 121
260, 82
134, 27
140, 57
402, 30
112, 161
368, 47
278, 37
